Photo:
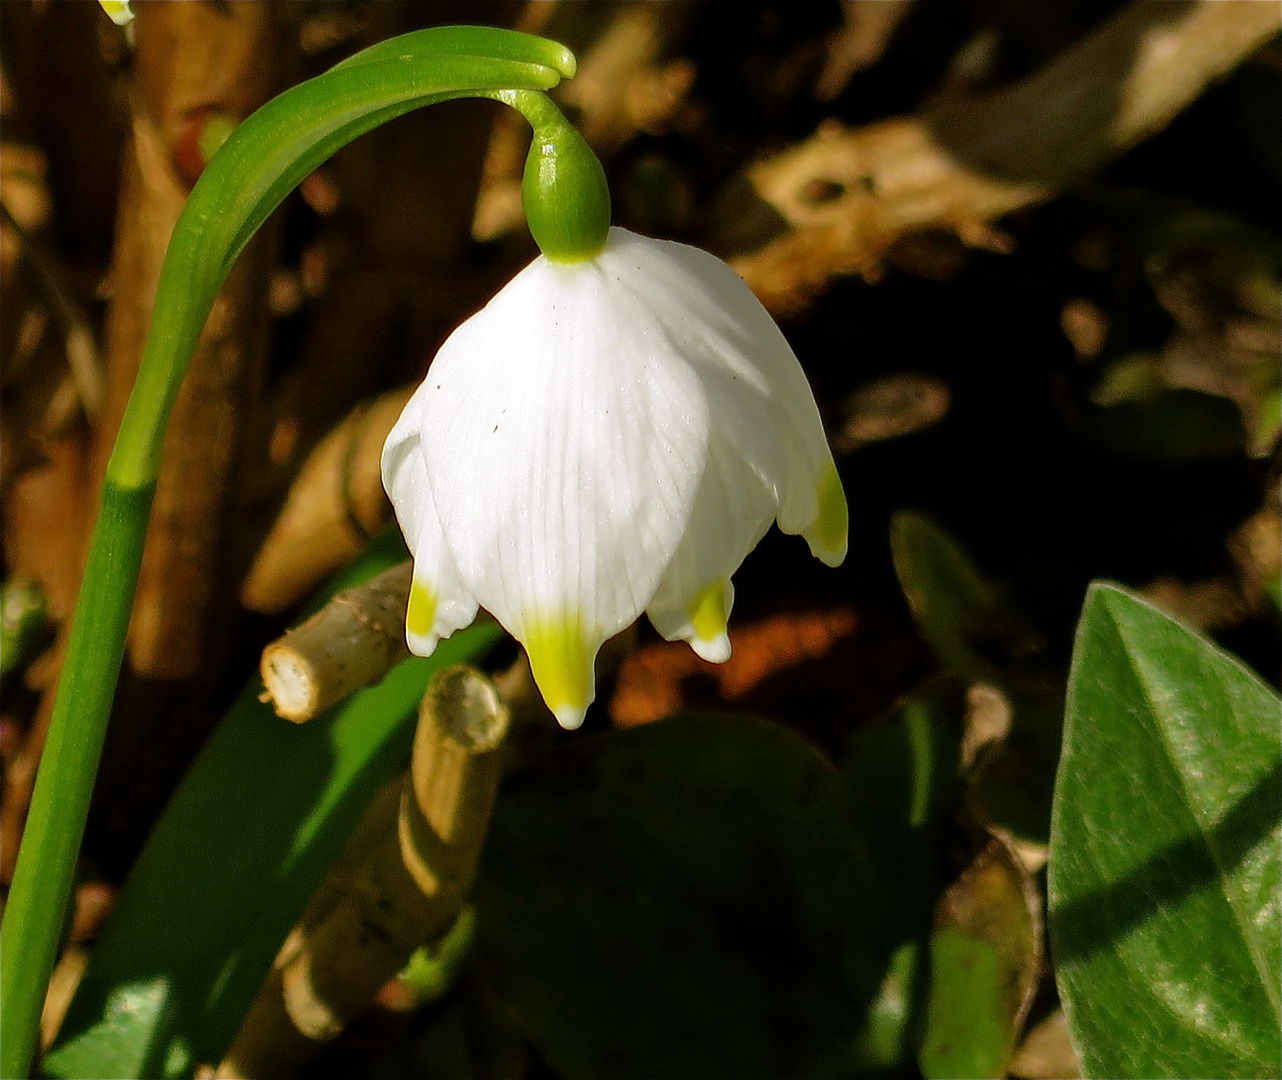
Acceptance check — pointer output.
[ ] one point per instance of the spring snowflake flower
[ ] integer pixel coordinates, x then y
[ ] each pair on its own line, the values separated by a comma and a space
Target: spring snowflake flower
606, 437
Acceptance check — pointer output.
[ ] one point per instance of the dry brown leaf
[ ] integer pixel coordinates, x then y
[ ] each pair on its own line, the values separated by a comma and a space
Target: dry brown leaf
848, 195
649, 684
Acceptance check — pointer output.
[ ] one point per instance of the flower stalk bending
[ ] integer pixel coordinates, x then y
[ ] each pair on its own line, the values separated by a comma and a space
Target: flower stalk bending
262, 161
563, 190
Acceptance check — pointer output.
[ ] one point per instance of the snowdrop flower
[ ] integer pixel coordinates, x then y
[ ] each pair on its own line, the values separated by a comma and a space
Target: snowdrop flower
606, 437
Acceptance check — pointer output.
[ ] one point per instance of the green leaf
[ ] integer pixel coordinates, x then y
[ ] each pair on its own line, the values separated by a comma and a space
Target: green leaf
1165, 865
229, 868
985, 958
955, 607
681, 899
902, 778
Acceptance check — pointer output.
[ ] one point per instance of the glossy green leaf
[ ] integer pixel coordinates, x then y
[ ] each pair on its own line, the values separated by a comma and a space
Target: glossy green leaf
1165, 864
681, 899
229, 868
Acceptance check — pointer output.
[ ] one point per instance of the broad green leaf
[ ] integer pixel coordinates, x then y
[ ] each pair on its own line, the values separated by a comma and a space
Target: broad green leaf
244, 843
681, 899
1165, 863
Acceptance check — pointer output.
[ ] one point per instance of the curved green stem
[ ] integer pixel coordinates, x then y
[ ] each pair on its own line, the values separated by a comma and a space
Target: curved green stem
248, 178
267, 157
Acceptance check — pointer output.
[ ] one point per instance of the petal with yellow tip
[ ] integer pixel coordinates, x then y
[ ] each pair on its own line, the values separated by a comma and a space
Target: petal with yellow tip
561, 660
827, 535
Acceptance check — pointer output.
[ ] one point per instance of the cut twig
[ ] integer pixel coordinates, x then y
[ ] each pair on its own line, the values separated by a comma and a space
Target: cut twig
402, 882
351, 643
848, 195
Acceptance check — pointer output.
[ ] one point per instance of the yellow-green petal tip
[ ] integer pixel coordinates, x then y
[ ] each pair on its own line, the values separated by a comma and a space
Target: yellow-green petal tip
708, 616
420, 616
827, 534
561, 662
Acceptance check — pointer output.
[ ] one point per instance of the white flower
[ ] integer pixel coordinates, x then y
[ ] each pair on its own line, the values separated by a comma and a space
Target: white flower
604, 438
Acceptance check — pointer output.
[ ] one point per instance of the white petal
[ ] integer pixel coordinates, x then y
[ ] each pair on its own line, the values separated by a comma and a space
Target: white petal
565, 444
603, 438
732, 512
405, 472
761, 399
439, 602
565, 439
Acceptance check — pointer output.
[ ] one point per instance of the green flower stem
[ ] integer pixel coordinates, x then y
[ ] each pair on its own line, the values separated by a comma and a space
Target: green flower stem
42, 880
262, 161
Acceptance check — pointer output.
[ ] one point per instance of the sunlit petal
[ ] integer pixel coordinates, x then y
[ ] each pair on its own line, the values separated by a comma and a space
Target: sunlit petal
604, 438
564, 464
439, 602
732, 512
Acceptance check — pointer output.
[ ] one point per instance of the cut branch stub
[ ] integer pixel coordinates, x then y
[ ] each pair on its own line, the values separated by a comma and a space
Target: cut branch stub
402, 883
351, 643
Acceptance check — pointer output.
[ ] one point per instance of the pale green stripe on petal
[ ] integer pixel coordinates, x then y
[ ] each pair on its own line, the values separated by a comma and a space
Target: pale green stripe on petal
827, 534
708, 616
420, 616
118, 11
561, 661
